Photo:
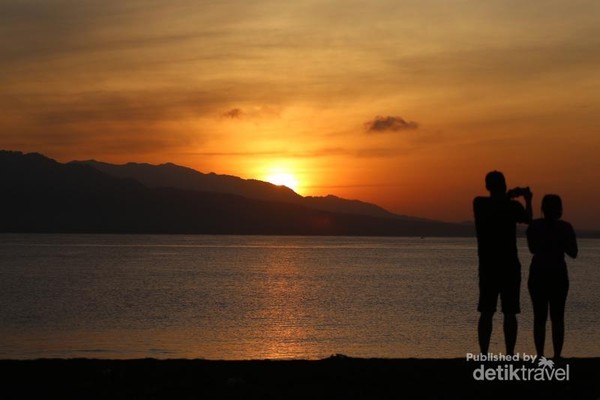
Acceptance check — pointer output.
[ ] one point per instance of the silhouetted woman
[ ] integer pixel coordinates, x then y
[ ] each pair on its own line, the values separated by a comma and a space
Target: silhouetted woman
549, 239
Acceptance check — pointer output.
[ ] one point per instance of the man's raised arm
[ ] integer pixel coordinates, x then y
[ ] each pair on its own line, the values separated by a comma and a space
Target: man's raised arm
528, 208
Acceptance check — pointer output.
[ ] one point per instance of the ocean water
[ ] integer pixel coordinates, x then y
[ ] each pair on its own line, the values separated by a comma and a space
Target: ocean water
257, 297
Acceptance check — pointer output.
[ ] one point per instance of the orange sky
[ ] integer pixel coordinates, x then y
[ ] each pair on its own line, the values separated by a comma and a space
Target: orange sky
403, 103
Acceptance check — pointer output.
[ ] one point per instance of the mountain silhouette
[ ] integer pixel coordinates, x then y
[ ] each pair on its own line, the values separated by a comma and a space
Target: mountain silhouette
43, 195
175, 176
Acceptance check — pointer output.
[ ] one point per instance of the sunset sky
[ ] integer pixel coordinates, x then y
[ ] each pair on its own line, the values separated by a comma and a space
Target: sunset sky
406, 104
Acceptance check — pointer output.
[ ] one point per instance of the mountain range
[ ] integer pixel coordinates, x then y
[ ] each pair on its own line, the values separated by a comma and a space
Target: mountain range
43, 195
175, 176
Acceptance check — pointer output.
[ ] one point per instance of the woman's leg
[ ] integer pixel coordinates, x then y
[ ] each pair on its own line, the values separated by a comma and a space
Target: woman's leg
557, 315
539, 330
540, 315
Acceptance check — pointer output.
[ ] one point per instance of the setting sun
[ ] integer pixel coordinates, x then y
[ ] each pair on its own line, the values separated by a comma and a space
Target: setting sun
283, 179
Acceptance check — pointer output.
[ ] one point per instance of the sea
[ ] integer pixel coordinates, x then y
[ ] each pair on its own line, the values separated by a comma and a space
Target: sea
263, 297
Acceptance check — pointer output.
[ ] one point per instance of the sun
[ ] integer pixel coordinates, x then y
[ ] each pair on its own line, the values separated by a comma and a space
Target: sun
280, 178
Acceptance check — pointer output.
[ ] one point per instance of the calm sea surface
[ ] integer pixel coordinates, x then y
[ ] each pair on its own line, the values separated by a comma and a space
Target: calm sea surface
234, 297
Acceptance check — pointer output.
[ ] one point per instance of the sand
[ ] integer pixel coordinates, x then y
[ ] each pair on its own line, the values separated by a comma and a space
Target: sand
333, 378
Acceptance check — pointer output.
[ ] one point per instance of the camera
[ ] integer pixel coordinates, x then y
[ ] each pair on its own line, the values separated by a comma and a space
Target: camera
518, 191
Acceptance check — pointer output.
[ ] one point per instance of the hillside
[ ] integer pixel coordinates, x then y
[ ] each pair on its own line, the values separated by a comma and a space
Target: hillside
175, 176
42, 195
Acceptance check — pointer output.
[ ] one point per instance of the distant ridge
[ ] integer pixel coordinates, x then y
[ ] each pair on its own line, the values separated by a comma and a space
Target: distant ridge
175, 176
43, 195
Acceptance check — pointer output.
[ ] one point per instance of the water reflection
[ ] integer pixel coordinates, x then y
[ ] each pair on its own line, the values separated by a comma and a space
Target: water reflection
279, 323
257, 297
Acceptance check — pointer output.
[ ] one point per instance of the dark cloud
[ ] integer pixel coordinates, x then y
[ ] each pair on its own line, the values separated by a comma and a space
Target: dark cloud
110, 106
132, 121
389, 124
234, 113
34, 29
253, 112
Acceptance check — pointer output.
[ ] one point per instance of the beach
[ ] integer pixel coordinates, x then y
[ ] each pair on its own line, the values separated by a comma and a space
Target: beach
337, 377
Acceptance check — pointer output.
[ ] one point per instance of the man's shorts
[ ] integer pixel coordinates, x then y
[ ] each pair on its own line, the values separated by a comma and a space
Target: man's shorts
502, 280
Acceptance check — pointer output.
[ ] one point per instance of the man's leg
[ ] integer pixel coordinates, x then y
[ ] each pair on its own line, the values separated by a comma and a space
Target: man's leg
510, 294
510, 332
484, 330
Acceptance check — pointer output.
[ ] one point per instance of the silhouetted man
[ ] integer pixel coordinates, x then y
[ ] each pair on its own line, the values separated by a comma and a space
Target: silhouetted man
496, 219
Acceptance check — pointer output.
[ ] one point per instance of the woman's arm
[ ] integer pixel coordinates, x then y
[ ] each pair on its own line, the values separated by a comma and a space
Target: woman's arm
571, 242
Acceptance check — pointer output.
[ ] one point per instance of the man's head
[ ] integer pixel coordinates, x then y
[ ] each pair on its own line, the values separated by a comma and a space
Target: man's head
552, 207
495, 183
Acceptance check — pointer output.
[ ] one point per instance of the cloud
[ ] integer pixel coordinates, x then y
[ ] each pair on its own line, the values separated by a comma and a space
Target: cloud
317, 153
234, 113
152, 105
389, 124
253, 112
127, 121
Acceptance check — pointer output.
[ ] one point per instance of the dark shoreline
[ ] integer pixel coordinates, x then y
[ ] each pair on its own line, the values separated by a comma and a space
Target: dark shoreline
332, 378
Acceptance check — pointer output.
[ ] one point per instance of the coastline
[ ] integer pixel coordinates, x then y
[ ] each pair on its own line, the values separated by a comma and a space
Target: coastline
335, 377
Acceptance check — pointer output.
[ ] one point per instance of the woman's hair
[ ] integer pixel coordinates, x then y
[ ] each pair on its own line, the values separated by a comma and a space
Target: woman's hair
552, 206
